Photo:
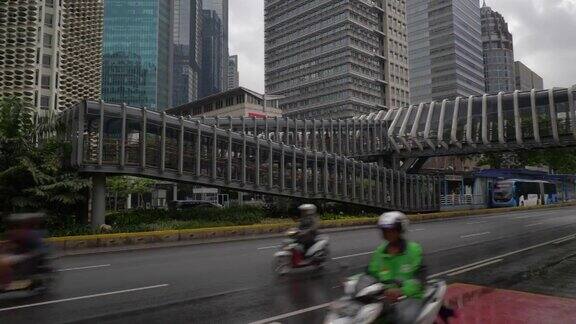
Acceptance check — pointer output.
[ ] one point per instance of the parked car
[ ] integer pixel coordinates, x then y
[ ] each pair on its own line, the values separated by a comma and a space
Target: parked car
191, 204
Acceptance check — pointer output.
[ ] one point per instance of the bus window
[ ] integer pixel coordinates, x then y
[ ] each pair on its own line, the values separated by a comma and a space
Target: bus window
528, 193
550, 193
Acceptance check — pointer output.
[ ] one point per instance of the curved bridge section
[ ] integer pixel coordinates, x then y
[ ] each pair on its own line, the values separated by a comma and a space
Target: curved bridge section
476, 124
113, 139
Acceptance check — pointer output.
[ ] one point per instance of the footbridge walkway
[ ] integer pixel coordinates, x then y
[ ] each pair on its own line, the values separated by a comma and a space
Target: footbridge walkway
330, 160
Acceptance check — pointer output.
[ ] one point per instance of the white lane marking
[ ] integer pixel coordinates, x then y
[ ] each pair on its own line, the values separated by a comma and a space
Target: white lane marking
564, 240
416, 230
82, 297
286, 315
502, 256
480, 222
85, 268
474, 267
535, 215
534, 224
474, 235
269, 247
468, 266
352, 255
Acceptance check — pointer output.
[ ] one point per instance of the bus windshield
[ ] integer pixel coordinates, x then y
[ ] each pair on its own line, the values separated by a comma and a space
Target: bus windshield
503, 191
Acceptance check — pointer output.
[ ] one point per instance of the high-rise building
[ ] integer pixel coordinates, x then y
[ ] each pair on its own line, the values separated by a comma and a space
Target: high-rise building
498, 52
50, 52
526, 79
138, 53
445, 42
187, 40
336, 58
211, 78
233, 74
214, 76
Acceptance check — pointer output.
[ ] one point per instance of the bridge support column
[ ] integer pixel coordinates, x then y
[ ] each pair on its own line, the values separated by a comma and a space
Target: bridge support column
174, 192
395, 163
98, 201
129, 201
240, 198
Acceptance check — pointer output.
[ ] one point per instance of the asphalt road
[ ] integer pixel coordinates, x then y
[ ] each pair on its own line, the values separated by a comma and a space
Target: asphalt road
233, 282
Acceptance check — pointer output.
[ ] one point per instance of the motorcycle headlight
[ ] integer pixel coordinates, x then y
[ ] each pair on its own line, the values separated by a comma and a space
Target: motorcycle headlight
337, 305
349, 287
369, 313
332, 318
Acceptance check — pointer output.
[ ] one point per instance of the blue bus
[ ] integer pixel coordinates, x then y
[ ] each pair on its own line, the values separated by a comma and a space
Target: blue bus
519, 193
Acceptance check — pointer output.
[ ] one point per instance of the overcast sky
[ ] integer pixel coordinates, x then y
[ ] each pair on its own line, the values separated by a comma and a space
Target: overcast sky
543, 32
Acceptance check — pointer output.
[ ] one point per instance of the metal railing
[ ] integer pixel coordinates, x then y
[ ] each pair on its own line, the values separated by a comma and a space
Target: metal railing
114, 139
318, 159
462, 200
477, 124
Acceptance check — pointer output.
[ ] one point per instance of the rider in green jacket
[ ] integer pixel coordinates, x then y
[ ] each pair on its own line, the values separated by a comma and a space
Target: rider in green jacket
397, 263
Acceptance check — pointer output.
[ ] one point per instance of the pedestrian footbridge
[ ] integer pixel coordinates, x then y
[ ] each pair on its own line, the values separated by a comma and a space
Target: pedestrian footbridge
330, 160
476, 124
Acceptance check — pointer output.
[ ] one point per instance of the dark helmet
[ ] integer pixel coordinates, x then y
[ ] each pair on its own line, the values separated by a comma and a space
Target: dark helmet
25, 219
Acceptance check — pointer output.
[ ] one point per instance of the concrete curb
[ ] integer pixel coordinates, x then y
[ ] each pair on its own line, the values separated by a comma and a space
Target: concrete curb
162, 245
75, 245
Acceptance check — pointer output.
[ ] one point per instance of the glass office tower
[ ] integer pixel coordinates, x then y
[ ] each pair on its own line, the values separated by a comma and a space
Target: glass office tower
498, 52
214, 76
187, 40
138, 53
445, 43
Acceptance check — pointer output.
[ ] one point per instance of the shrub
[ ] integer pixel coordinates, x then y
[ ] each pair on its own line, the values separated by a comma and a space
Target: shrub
344, 216
136, 217
229, 216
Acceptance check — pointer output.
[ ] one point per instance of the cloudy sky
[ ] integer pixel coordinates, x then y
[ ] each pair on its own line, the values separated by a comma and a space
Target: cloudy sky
543, 38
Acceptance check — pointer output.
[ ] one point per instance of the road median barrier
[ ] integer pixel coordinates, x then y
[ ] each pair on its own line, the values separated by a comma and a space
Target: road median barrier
78, 243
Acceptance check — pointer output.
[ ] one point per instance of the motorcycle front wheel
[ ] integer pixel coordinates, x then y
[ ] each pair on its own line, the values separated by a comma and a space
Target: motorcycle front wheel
282, 265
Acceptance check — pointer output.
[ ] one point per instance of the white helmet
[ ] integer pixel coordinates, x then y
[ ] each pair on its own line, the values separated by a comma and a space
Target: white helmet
394, 219
307, 210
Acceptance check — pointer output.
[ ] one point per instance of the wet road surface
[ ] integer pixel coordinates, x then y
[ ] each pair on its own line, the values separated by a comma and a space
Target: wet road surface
233, 282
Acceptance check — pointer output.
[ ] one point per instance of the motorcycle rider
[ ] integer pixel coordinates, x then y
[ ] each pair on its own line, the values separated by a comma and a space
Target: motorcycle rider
397, 263
24, 248
308, 226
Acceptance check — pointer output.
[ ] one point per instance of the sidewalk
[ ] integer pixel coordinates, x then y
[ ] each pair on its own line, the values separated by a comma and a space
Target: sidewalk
534, 287
476, 304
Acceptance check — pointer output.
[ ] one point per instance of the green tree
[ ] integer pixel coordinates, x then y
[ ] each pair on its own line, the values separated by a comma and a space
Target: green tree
141, 186
122, 186
32, 176
559, 160
119, 187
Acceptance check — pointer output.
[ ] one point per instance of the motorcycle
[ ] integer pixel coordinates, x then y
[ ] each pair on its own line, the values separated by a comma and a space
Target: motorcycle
292, 255
363, 302
39, 281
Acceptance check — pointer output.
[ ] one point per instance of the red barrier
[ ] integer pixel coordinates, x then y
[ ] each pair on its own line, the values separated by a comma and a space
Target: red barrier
476, 304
